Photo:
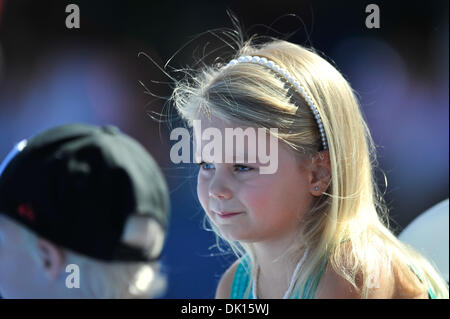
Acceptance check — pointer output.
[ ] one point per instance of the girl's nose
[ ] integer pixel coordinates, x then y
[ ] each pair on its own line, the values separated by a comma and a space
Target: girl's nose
220, 191
221, 195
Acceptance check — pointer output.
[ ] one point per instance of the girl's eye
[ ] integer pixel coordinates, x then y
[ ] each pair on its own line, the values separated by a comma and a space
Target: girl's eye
206, 166
242, 168
238, 168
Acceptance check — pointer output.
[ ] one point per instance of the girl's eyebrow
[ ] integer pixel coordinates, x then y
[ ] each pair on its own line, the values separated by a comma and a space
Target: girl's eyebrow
240, 157
246, 160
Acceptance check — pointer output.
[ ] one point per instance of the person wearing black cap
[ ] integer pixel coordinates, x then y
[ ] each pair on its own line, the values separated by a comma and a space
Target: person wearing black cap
83, 214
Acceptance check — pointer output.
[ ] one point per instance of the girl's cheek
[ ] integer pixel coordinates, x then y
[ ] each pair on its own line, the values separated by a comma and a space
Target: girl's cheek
252, 201
256, 195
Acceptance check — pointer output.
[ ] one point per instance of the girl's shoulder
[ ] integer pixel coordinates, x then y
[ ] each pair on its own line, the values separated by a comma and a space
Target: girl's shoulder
408, 285
392, 283
225, 283
334, 286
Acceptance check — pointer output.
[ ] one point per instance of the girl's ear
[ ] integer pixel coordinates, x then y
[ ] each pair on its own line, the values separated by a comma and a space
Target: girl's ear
320, 173
52, 258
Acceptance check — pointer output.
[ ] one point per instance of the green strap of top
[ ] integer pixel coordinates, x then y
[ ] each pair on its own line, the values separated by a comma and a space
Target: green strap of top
431, 294
309, 291
241, 281
242, 277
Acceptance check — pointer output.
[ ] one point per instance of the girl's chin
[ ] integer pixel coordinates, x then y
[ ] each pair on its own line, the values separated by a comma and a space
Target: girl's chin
235, 236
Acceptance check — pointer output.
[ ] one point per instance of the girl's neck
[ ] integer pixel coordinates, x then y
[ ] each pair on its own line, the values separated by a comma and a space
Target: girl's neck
274, 250
275, 265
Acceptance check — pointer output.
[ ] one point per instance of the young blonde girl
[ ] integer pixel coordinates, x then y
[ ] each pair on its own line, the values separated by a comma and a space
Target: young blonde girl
318, 227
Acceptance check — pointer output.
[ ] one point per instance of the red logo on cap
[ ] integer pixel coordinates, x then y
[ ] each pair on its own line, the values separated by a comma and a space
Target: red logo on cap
26, 211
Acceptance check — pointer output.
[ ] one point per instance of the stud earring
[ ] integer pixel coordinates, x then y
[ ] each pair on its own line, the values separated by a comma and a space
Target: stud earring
316, 188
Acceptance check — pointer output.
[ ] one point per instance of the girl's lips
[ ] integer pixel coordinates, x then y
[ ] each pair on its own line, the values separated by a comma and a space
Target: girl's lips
227, 214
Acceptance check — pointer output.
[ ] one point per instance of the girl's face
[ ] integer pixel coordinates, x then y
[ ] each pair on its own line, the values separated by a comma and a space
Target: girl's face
248, 206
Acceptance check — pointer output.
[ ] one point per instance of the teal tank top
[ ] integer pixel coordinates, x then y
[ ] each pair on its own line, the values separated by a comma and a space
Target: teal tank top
431, 294
242, 277
241, 281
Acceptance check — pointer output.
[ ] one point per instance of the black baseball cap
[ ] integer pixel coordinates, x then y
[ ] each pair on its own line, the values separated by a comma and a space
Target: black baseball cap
77, 184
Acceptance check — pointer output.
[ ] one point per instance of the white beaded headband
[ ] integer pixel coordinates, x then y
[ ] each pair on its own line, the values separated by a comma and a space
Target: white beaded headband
289, 78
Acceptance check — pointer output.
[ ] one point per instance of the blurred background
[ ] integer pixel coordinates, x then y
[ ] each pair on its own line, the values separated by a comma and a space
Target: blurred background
51, 75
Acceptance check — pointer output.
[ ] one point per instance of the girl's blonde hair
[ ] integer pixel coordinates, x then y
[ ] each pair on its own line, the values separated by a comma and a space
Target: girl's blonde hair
348, 225
112, 280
